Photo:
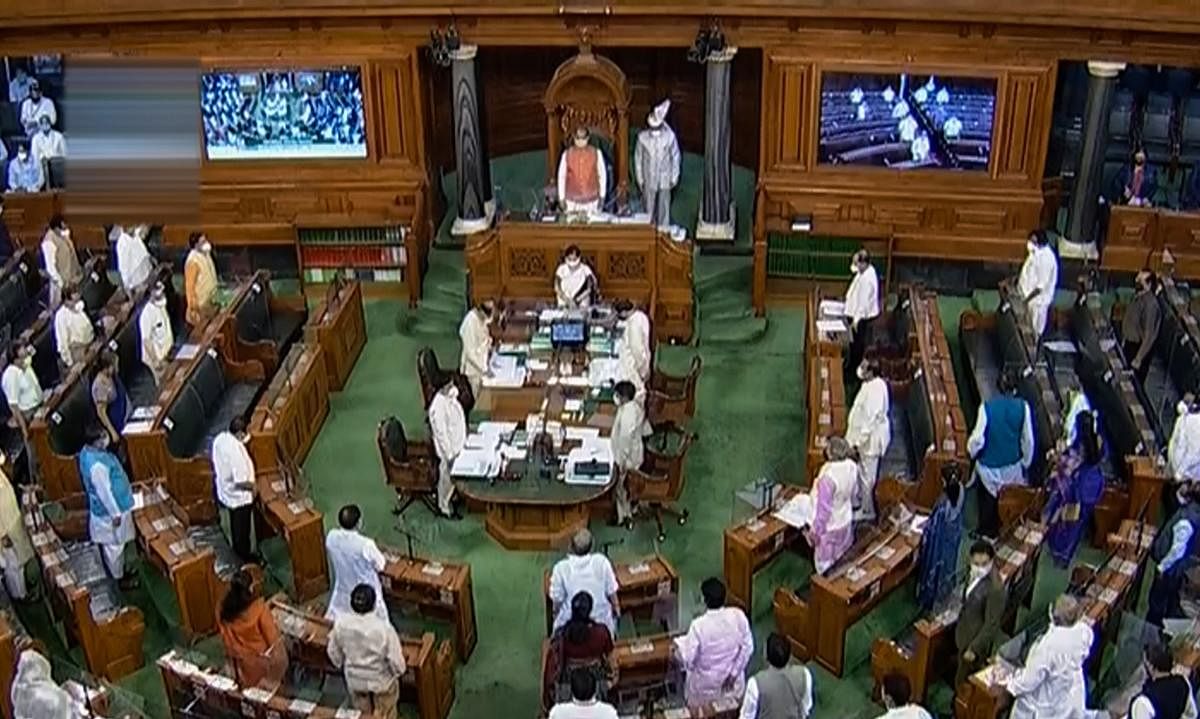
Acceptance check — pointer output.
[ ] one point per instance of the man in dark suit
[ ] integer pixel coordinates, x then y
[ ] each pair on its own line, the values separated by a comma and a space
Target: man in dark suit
982, 609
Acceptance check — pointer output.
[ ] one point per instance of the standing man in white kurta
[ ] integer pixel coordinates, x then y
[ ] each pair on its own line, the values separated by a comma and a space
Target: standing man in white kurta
476, 338
154, 328
627, 444
73, 331
1039, 278
634, 348
133, 259
234, 474
656, 164
574, 281
862, 305
449, 426
1051, 685
355, 559
110, 502
869, 431
584, 571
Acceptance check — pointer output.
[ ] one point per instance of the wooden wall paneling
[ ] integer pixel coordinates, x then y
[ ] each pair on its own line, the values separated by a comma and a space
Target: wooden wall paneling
398, 111
1021, 132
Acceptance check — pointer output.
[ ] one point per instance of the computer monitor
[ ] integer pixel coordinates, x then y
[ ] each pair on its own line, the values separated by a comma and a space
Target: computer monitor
568, 333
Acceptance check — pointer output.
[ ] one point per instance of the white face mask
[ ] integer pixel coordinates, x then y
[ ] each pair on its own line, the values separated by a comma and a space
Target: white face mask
27, 361
980, 570
160, 301
861, 372
206, 247
66, 232
22, 156
1030, 247
854, 268
573, 264
581, 143
78, 305
1181, 408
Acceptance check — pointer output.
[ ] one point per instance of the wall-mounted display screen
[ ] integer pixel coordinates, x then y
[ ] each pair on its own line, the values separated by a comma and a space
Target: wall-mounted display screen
267, 114
906, 121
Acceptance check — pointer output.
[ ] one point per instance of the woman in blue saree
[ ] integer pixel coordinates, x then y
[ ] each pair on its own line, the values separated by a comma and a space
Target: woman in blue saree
937, 558
1075, 488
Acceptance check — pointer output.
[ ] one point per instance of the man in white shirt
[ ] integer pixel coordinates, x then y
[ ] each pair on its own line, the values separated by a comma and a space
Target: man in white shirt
1183, 450
627, 444
157, 335
36, 107
716, 649
448, 423
234, 474
73, 331
862, 305
47, 143
18, 86
1051, 685
367, 650
355, 559
1038, 280
583, 571
25, 172
133, 259
1166, 694
476, 337
634, 348
781, 689
583, 704
869, 432
22, 389
574, 281
110, 502
897, 698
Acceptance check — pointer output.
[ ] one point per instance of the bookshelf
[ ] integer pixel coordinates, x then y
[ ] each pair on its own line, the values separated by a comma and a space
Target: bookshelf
374, 255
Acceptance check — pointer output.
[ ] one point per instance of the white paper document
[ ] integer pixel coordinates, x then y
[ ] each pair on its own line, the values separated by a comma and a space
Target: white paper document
476, 463
798, 512
478, 440
831, 308
830, 327
596, 450
579, 434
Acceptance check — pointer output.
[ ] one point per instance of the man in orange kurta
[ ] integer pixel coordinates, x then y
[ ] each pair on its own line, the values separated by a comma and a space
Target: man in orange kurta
582, 176
200, 281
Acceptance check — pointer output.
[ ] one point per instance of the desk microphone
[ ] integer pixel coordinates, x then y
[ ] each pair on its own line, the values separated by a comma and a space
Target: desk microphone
605, 545
410, 539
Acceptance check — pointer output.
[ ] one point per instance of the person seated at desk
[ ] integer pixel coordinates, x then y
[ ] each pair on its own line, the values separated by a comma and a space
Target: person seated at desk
832, 499
1051, 685
73, 331
35, 694
634, 348
1002, 446
47, 143
937, 559
35, 107
583, 704
134, 262
897, 698
581, 643
862, 305
1165, 695
18, 86
253, 644
234, 475
628, 448
1139, 325
782, 689
476, 337
367, 650
584, 571
716, 649
448, 424
6, 243
869, 432
60, 258
1174, 552
156, 333
1136, 182
24, 171
110, 503
1038, 280
1076, 486
200, 280
982, 610
22, 389
355, 559
574, 281
110, 397
1183, 449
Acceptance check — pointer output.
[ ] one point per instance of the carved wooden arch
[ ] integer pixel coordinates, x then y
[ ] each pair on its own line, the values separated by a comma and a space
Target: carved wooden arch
588, 90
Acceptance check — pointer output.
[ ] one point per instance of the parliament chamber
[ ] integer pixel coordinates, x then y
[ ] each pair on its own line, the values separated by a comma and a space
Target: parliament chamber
497, 303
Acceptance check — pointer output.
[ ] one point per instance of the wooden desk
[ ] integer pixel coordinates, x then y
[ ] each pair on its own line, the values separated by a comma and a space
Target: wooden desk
28, 214
268, 352
930, 642
630, 261
645, 588
428, 679
751, 544
339, 326
825, 385
816, 626
642, 667
282, 509
441, 590
1138, 235
290, 413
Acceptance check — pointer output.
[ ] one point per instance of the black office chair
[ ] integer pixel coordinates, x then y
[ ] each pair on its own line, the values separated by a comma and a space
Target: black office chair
56, 173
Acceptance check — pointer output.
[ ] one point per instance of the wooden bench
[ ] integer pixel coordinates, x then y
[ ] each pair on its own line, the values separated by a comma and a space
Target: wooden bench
339, 326
283, 509
440, 590
291, 411
648, 589
258, 326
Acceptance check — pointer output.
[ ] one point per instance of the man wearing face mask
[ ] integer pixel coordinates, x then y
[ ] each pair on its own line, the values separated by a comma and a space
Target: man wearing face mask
1174, 553
110, 501
234, 475
1183, 450
1038, 280
25, 172
574, 281
862, 304
47, 143
1051, 685
449, 426
1166, 694
60, 258
627, 448
476, 337
35, 107
982, 610
73, 331
869, 431
634, 349
1139, 326
22, 389
157, 335
355, 559
1002, 446
133, 259
1137, 181
200, 280
656, 164
582, 176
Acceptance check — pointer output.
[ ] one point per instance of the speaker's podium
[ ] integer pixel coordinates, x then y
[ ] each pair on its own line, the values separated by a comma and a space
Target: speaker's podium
631, 261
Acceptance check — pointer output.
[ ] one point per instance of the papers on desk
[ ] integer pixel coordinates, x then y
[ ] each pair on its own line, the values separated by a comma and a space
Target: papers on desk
918, 523
139, 500
187, 351
797, 512
830, 327
477, 440
572, 405
504, 371
511, 453
831, 308
595, 453
537, 365
573, 381
551, 314
582, 434
145, 412
476, 464
256, 695
137, 427
1065, 347
602, 370
496, 429
513, 348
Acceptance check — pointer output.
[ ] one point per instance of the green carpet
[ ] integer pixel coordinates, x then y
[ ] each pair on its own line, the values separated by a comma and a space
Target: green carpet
751, 424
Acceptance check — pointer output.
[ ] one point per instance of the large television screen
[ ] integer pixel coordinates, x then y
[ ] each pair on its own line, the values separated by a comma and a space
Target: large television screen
267, 114
906, 121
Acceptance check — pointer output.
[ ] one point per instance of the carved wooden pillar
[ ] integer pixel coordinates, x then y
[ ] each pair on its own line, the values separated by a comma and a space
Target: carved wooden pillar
475, 205
1085, 197
718, 220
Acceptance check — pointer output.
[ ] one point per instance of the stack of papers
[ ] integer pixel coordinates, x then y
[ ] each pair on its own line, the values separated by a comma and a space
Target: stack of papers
477, 440
582, 434
549, 315
603, 370
831, 308
829, 327
477, 464
505, 371
497, 429
798, 512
